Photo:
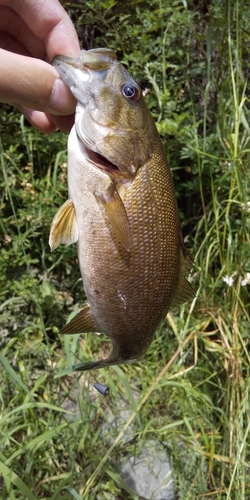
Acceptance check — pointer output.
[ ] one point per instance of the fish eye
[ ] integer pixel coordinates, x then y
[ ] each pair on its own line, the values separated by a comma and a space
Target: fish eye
131, 92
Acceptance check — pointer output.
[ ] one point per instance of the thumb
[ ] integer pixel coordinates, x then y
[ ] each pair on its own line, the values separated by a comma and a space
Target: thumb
33, 83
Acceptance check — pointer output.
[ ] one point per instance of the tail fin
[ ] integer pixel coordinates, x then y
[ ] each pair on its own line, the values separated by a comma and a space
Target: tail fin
92, 365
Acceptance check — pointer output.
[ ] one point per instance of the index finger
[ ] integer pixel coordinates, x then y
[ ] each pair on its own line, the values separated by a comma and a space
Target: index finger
48, 20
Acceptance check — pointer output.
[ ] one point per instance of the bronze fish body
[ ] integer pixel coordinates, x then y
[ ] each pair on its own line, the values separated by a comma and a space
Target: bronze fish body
121, 210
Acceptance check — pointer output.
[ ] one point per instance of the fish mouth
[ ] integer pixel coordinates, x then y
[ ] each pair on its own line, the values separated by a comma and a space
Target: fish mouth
103, 163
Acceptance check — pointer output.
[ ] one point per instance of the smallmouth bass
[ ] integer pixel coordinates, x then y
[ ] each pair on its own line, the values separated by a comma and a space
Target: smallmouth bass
121, 211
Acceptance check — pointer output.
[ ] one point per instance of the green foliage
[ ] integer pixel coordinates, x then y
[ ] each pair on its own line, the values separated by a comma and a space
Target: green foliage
191, 59
34, 184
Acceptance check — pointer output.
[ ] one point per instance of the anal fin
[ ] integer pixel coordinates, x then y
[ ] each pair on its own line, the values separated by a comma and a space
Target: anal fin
81, 323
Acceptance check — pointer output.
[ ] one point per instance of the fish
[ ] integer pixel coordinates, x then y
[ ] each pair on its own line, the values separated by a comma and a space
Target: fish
121, 210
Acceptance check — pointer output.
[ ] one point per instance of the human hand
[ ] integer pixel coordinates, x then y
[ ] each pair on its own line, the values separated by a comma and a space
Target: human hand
32, 33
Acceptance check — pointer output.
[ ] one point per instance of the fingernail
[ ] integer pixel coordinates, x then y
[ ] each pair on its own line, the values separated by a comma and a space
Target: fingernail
62, 101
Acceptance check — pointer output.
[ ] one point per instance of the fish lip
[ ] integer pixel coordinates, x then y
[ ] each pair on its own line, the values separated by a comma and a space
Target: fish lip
70, 70
85, 61
69, 61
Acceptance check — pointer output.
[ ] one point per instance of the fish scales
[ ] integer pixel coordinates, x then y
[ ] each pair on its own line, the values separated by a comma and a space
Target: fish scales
123, 215
109, 272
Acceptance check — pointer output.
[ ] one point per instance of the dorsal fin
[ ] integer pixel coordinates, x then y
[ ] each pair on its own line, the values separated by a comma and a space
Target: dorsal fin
184, 290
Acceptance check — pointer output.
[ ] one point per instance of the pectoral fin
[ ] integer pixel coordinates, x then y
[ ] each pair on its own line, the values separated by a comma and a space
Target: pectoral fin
81, 323
63, 228
116, 214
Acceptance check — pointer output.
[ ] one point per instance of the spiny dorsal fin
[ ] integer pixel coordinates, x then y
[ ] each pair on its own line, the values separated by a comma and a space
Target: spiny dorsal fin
184, 290
63, 228
81, 323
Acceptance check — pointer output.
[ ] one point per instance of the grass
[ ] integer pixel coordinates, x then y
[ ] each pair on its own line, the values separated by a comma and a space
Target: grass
192, 393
